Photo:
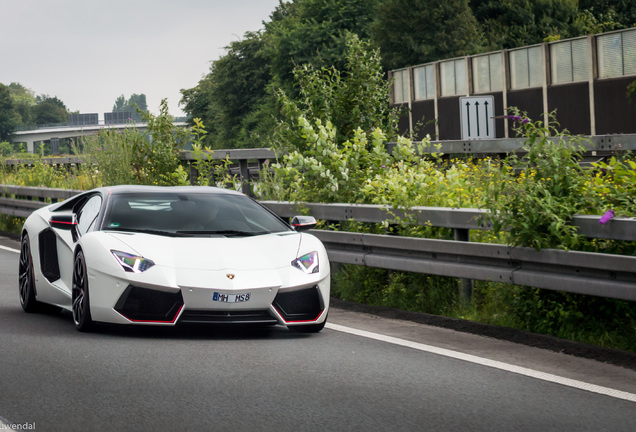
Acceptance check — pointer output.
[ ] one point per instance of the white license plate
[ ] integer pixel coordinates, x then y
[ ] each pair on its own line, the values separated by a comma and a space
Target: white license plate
231, 298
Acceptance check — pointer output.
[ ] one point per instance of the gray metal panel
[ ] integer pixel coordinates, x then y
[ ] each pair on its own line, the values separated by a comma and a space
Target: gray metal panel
439, 268
616, 229
579, 285
465, 218
577, 272
21, 204
38, 192
435, 216
584, 260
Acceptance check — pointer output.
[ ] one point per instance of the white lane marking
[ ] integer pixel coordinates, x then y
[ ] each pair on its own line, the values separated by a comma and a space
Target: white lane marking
618, 394
9, 249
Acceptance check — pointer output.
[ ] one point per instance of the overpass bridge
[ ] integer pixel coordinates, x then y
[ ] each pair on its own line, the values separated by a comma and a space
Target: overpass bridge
46, 133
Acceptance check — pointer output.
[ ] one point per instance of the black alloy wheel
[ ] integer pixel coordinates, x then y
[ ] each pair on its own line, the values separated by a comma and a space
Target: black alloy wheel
26, 278
80, 300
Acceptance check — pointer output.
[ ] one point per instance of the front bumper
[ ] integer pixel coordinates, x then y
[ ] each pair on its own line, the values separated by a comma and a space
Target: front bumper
137, 304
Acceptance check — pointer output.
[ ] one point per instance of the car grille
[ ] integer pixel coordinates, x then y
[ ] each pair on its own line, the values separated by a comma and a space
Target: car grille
148, 305
299, 305
219, 317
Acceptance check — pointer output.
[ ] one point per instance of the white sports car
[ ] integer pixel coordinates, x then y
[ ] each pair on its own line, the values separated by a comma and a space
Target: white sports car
168, 255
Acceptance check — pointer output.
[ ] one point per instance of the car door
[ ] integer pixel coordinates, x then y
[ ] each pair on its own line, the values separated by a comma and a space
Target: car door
84, 216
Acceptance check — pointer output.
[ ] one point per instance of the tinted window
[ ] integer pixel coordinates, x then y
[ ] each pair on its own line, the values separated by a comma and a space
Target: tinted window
194, 213
88, 213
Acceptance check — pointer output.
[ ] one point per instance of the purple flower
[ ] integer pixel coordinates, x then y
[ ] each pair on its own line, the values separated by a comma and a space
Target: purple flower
606, 217
517, 118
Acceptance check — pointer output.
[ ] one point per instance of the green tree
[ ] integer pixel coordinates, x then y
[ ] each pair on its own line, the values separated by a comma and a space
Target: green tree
9, 118
23, 101
515, 23
236, 100
352, 99
411, 32
598, 16
132, 105
49, 110
313, 32
233, 99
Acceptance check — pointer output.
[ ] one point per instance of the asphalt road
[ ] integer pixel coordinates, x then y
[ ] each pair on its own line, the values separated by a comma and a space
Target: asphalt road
362, 373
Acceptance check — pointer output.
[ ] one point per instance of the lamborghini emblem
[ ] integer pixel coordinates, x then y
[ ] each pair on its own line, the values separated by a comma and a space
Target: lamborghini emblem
230, 276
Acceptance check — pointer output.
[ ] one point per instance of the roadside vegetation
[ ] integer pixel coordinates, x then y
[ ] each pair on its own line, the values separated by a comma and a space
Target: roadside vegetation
330, 133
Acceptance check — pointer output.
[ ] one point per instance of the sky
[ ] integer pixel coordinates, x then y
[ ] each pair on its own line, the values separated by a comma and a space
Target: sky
89, 52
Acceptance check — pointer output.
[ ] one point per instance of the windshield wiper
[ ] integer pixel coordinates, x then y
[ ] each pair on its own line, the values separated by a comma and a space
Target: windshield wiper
236, 233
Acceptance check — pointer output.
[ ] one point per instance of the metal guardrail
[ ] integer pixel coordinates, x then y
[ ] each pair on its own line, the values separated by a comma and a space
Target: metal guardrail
588, 273
456, 218
576, 272
21, 201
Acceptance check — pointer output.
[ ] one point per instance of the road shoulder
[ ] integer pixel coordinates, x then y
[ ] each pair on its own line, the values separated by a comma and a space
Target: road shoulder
512, 352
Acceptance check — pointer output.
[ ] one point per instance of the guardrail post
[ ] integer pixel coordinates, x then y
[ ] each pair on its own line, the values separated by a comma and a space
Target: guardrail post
245, 177
465, 285
194, 174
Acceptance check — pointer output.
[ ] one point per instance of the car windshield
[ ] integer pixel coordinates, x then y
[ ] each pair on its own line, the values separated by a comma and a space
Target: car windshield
192, 214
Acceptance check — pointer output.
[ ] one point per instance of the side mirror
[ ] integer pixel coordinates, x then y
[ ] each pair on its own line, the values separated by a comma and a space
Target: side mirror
64, 221
303, 223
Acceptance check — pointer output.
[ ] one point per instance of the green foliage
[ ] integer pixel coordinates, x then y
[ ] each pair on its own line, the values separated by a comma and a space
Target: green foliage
236, 99
615, 184
155, 158
131, 156
23, 101
356, 98
598, 16
11, 224
411, 32
49, 110
407, 291
515, 23
534, 196
9, 118
40, 173
233, 99
136, 102
325, 171
313, 32
211, 171
111, 150
631, 91
6, 148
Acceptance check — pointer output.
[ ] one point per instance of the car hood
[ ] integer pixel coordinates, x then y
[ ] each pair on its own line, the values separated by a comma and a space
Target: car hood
215, 253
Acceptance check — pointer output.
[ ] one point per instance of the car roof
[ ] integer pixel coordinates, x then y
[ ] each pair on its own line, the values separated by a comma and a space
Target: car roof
126, 189
123, 189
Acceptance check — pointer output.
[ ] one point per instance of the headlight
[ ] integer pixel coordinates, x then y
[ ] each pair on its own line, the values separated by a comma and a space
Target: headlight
132, 263
308, 263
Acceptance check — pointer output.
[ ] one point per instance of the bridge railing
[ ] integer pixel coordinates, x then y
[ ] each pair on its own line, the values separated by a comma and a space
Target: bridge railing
597, 274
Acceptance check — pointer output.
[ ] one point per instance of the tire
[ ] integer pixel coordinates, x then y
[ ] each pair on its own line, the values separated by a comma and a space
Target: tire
26, 277
80, 297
